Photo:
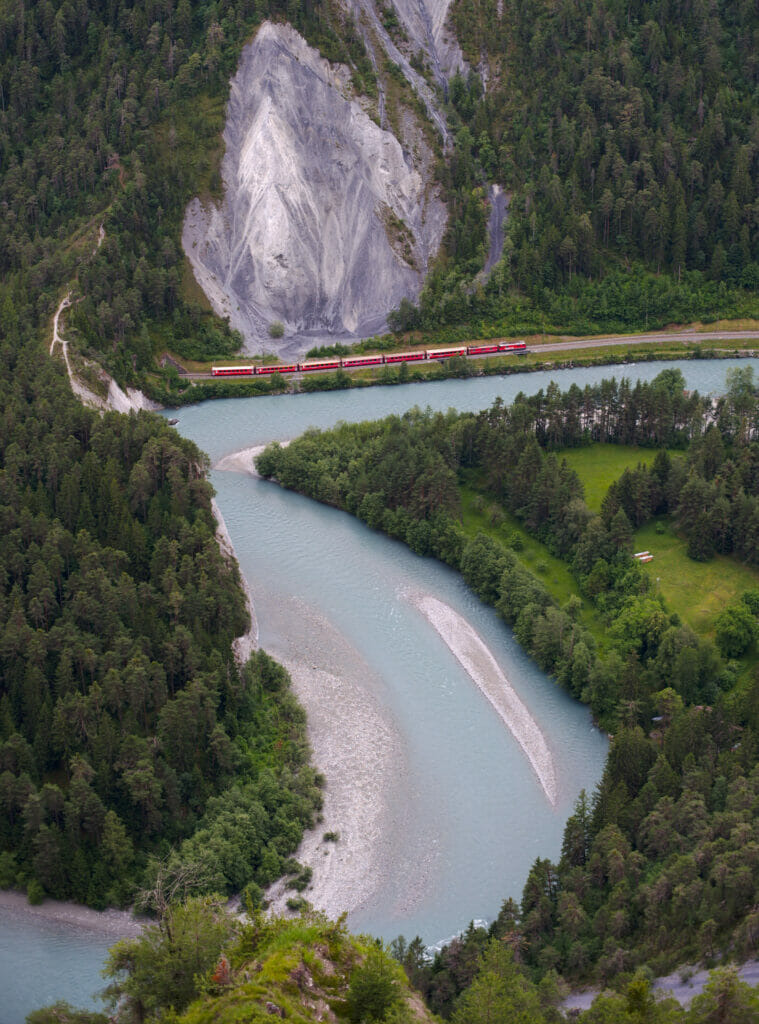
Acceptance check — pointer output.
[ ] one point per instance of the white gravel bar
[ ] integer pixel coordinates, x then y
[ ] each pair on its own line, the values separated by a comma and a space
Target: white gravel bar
478, 662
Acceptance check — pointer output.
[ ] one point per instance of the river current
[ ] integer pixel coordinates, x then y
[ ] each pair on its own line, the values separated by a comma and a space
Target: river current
466, 815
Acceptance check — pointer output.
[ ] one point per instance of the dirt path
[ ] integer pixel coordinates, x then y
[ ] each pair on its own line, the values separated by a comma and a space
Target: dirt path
82, 392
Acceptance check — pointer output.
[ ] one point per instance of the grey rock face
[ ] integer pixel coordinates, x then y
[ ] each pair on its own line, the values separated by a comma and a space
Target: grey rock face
425, 23
325, 224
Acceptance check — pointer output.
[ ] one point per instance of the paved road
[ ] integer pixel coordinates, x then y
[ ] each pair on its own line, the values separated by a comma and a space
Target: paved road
682, 985
628, 341
689, 337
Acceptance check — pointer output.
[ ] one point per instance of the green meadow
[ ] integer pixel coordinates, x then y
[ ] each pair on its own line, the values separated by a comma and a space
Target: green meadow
599, 465
488, 517
696, 591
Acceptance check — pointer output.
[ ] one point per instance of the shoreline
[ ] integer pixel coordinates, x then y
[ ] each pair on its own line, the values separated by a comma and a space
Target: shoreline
357, 747
243, 646
354, 744
122, 924
244, 459
573, 358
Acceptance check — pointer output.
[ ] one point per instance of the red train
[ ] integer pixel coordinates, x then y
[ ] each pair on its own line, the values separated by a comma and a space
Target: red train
349, 362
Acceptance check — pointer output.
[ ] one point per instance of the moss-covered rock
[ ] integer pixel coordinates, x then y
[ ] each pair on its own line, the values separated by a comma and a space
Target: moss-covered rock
305, 970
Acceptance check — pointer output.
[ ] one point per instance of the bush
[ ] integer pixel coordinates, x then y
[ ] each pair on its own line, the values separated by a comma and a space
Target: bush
252, 898
736, 630
276, 329
373, 988
35, 893
9, 869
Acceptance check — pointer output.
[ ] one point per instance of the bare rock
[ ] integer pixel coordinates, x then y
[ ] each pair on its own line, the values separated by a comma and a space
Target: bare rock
326, 223
425, 22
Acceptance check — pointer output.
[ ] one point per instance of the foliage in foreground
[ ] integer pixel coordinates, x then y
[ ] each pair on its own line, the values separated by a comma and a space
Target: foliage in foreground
198, 965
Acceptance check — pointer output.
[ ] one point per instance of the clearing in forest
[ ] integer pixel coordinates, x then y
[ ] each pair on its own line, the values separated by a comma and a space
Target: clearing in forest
697, 591
599, 465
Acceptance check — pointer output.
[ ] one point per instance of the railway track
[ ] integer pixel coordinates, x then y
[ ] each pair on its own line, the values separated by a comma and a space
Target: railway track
660, 338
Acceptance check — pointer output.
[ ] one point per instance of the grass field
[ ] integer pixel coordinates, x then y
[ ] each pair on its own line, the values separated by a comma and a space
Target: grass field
552, 572
697, 591
599, 465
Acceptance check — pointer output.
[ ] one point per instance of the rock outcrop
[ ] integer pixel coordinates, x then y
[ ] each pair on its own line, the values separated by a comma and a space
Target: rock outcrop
326, 224
425, 23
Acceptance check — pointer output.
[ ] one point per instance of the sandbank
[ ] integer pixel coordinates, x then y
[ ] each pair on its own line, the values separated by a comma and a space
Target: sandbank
119, 923
244, 460
358, 748
473, 654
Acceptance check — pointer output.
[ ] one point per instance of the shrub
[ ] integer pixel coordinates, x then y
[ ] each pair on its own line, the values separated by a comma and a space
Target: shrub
9, 869
373, 988
276, 329
736, 630
35, 893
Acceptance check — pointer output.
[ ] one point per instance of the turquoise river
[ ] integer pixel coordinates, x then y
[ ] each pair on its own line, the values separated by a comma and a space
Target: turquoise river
458, 813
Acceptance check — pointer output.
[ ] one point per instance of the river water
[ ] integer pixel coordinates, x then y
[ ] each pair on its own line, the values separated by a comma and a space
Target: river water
464, 815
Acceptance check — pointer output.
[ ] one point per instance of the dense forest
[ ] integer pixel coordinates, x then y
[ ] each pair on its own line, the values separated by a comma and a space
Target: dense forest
626, 134
659, 863
133, 747
129, 737
112, 115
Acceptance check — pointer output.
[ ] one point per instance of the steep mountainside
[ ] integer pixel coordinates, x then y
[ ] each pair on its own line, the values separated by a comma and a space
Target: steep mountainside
326, 223
425, 22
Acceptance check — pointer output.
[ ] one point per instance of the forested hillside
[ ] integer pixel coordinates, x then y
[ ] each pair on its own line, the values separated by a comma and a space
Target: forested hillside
660, 863
126, 728
627, 136
113, 115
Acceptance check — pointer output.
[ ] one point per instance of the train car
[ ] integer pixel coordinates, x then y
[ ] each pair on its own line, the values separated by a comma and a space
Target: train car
278, 368
481, 350
350, 361
232, 371
405, 357
446, 353
512, 346
319, 364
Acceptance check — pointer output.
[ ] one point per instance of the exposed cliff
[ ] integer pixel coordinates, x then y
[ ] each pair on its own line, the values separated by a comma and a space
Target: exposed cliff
327, 222
425, 22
